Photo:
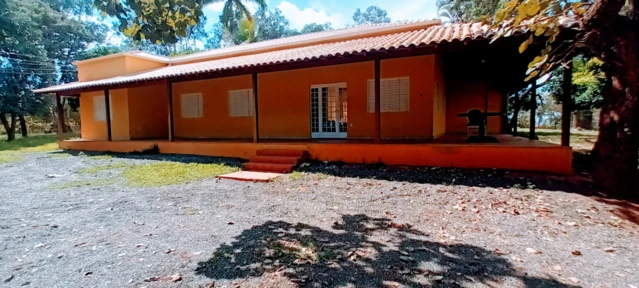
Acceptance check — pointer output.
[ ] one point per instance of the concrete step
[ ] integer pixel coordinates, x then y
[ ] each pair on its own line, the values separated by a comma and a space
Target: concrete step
276, 160
268, 167
282, 153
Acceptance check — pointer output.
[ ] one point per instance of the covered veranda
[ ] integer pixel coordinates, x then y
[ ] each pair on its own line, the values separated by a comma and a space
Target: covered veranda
448, 150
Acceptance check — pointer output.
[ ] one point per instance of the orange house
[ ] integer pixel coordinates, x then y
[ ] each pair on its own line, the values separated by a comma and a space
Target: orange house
389, 93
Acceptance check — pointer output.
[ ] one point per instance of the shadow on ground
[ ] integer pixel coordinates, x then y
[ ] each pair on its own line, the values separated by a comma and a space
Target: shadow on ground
454, 176
360, 251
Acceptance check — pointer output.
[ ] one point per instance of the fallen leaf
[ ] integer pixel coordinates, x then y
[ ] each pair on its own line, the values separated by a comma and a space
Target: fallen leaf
532, 251
576, 253
571, 224
175, 277
152, 279
88, 273
230, 223
609, 249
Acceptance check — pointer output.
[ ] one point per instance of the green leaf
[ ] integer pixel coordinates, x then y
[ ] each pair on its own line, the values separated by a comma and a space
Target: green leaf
525, 44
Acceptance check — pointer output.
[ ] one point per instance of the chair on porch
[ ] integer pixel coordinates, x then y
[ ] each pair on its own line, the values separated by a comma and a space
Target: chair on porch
476, 123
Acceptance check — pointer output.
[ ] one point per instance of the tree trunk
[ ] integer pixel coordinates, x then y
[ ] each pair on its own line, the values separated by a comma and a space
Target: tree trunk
10, 127
23, 125
616, 150
6, 125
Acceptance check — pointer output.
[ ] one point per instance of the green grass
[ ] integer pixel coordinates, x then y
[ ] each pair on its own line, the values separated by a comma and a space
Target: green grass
11, 151
170, 173
96, 169
100, 157
297, 175
83, 183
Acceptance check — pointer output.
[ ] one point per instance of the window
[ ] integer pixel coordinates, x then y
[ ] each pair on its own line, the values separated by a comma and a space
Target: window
191, 105
394, 95
99, 108
241, 103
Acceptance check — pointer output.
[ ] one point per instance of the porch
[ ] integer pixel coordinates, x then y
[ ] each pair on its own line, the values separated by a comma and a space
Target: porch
515, 153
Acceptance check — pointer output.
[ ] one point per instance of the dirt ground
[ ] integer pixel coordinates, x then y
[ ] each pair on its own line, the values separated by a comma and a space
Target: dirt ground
63, 225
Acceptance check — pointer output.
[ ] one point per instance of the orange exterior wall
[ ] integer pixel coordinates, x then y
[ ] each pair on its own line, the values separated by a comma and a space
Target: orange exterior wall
439, 100
90, 128
116, 66
417, 123
119, 114
284, 100
553, 158
215, 122
149, 112
471, 95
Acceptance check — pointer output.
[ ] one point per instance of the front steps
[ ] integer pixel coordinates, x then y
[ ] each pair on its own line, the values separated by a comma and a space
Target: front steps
275, 160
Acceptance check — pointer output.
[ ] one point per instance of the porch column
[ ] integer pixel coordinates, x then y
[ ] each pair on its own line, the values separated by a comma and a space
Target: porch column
256, 127
566, 105
378, 124
169, 89
533, 110
107, 105
60, 114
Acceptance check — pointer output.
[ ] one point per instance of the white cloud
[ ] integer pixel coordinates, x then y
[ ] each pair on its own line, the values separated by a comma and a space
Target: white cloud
298, 18
412, 10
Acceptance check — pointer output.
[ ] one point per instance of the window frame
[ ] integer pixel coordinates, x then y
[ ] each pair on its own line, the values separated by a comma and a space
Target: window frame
200, 106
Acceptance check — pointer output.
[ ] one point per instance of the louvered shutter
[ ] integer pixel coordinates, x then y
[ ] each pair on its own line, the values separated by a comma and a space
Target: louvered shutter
99, 108
191, 105
404, 94
241, 103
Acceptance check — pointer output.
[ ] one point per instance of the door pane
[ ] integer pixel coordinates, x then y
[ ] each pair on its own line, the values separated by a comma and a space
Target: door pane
343, 110
314, 110
328, 111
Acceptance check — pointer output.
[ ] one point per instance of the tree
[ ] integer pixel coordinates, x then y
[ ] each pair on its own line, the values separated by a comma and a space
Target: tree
166, 21
588, 82
314, 27
457, 11
372, 15
37, 47
610, 32
272, 25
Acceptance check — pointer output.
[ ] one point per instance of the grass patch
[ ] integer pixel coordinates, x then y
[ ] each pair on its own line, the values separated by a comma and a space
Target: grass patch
10, 151
170, 173
321, 176
84, 183
297, 175
100, 157
96, 169
8, 157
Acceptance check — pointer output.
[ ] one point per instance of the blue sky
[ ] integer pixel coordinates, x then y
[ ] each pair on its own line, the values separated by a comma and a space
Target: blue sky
338, 12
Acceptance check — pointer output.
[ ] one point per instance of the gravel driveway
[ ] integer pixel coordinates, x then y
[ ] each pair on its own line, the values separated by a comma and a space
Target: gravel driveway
330, 226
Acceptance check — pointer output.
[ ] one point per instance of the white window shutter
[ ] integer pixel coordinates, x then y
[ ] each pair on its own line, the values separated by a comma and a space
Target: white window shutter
99, 108
404, 94
191, 105
240, 103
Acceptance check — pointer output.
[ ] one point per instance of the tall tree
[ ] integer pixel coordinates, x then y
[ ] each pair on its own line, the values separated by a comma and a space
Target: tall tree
314, 27
37, 47
372, 15
457, 11
610, 31
166, 21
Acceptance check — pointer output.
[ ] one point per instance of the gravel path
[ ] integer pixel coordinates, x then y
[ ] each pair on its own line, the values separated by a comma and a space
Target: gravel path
331, 226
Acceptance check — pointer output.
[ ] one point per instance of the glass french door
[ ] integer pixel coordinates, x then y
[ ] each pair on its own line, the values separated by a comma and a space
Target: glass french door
329, 111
